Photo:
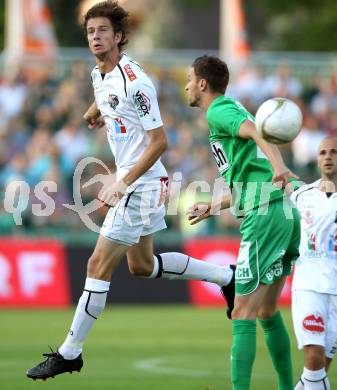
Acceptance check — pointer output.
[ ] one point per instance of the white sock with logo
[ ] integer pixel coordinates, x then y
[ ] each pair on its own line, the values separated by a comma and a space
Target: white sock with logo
90, 305
177, 266
315, 380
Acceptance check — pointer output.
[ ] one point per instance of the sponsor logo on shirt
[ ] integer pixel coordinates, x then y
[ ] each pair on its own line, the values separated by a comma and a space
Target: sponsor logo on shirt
142, 103
318, 254
129, 72
332, 245
243, 273
119, 126
313, 323
113, 101
312, 242
220, 157
118, 133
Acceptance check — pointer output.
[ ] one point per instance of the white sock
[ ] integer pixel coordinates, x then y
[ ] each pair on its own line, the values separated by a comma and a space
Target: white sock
315, 380
299, 385
90, 305
175, 265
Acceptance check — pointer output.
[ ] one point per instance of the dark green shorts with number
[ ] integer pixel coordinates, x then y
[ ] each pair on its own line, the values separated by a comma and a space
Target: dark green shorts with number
269, 245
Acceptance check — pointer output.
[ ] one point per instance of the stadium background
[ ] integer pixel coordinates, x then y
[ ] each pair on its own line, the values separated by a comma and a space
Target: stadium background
273, 49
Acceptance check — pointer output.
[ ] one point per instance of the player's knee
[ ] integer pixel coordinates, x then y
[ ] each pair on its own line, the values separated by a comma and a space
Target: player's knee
314, 357
266, 312
242, 312
92, 264
99, 267
140, 268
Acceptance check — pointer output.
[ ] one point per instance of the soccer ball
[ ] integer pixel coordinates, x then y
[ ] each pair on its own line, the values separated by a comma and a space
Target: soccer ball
278, 120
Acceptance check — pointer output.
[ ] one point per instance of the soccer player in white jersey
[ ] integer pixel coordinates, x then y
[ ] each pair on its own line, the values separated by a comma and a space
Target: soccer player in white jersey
126, 99
314, 288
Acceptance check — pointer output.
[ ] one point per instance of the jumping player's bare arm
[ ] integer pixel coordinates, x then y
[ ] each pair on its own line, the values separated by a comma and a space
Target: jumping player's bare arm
282, 173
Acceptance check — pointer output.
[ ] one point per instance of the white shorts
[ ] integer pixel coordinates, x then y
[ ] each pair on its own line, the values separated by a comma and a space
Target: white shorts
138, 213
315, 319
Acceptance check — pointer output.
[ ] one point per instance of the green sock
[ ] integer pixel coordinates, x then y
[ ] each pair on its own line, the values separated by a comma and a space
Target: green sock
243, 353
277, 340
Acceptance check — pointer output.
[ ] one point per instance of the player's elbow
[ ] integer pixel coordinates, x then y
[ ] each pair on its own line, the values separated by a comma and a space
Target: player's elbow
247, 130
161, 143
164, 144
158, 140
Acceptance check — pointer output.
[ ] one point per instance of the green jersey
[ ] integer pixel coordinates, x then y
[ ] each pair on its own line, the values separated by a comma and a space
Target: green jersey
240, 161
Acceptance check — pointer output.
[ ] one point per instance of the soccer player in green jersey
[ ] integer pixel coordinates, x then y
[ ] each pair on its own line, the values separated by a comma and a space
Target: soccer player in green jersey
270, 228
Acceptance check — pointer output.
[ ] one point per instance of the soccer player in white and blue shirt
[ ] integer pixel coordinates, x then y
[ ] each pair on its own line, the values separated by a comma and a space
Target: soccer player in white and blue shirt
314, 288
126, 100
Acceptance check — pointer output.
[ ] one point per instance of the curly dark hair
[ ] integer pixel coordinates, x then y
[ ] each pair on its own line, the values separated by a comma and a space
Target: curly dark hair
117, 15
213, 70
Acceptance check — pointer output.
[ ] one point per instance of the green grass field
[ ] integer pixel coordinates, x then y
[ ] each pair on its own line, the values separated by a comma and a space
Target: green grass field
134, 347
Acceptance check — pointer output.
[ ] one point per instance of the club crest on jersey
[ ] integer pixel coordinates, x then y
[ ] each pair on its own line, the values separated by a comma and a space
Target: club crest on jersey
142, 103
313, 323
113, 101
129, 72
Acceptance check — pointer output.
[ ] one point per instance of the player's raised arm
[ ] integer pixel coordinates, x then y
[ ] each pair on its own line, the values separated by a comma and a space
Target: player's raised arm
282, 173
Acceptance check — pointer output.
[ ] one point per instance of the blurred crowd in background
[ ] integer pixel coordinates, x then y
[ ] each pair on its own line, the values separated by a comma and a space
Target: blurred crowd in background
43, 136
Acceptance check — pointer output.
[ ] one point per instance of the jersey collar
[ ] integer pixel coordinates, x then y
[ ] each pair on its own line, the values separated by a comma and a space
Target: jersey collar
316, 185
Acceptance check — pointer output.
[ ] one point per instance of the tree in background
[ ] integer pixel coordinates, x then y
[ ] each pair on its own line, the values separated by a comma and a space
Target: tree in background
301, 25
65, 18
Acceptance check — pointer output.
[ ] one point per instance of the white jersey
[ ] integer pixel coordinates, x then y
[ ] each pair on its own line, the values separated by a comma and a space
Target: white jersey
128, 103
316, 268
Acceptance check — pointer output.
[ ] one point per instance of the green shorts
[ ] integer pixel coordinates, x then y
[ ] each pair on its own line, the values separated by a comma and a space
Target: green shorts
269, 246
